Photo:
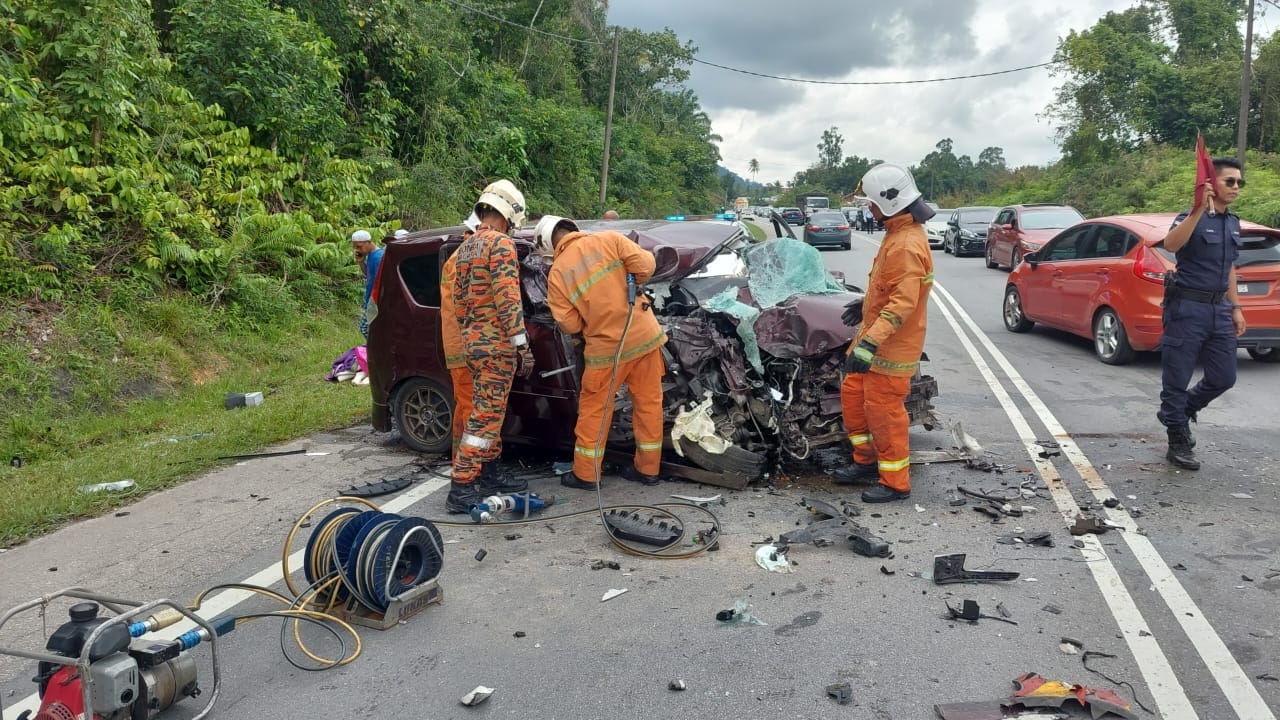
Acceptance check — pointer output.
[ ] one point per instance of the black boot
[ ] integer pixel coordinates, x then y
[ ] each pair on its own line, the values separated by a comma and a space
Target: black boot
633, 474
857, 474
1180, 452
1190, 416
461, 497
495, 480
883, 493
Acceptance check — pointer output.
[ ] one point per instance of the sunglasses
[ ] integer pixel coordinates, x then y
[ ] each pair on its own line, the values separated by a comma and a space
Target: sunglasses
1233, 182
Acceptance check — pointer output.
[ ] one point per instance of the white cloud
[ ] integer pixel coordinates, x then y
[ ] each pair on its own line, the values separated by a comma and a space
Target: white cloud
780, 123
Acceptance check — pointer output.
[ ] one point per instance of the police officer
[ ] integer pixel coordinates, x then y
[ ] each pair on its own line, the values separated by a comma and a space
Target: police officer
1202, 316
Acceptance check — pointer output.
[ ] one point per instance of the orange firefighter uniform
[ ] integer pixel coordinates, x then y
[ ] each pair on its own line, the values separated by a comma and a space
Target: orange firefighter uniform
490, 322
587, 292
455, 360
894, 318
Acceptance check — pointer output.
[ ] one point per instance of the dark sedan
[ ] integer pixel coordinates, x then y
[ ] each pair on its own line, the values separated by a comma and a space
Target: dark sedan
793, 216
828, 228
967, 230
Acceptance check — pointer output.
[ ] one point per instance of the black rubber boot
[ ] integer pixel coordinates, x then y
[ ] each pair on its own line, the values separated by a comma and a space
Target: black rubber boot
571, 481
857, 474
461, 497
631, 473
883, 494
1180, 452
496, 480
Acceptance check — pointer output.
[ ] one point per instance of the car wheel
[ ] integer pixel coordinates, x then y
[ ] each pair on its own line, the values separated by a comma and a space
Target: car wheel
946, 247
1110, 341
991, 259
740, 463
1016, 260
423, 413
1266, 355
1015, 320
848, 245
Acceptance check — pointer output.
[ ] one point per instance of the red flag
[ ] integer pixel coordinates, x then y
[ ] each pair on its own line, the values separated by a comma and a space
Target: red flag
1204, 171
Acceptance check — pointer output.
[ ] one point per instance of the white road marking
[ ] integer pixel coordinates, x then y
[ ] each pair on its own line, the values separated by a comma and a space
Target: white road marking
269, 576
1161, 680
1231, 678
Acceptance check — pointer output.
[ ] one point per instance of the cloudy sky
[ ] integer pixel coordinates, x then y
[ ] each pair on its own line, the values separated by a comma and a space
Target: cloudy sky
779, 123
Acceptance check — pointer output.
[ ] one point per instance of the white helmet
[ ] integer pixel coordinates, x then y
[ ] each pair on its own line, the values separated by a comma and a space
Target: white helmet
506, 199
361, 236
401, 233
890, 187
543, 231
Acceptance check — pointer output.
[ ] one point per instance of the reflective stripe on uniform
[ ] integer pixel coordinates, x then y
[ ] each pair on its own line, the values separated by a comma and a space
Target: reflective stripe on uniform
927, 279
633, 353
592, 279
475, 441
588, 452
894, 465
894, 320
862, 439
649, 446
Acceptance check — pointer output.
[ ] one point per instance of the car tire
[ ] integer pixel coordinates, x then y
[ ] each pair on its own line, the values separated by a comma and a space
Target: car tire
848, 245
946, 246
1110, 341
422, 410
1015, 318
1266, 355
991, 259
1016, 260
736, 462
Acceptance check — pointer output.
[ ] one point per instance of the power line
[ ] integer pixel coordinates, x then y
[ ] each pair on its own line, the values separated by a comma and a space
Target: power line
874, 82
566, 38
529, 28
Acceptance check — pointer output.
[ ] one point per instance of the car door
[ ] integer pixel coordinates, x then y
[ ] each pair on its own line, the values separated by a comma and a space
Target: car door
1083, 281
998, 236
1041, 298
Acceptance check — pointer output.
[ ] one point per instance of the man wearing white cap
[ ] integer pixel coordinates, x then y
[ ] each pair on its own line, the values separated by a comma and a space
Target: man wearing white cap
369, 257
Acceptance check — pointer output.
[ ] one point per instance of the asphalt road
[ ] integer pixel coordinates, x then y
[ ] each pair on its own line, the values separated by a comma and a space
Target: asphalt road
1167, 596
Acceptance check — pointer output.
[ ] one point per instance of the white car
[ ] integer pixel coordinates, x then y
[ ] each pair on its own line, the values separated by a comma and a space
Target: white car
936, 227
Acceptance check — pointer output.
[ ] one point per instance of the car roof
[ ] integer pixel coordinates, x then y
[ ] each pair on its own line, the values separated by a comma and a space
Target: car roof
978, 207
1152, 227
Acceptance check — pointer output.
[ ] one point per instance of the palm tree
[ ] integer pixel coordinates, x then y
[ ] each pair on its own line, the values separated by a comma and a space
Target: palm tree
753, 167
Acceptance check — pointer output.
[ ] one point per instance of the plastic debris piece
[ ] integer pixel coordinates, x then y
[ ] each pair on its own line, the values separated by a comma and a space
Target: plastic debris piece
480, 554
477, 696
676, 685
950, 569
696, 425
107, 486
886, 571
740, 614
612, 593
605, 564
1088, 525
375, 489
1242, 496
842, 693
1004, 611
966, 446
1111, 502
519, 634
772, 558
919, 508
1068, 648
699, 500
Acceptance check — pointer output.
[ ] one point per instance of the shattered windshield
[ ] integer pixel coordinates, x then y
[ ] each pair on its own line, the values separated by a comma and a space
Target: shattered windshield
783, 267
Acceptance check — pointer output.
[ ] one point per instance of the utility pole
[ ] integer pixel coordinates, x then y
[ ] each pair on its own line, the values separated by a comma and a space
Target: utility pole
1242, 132
608, 124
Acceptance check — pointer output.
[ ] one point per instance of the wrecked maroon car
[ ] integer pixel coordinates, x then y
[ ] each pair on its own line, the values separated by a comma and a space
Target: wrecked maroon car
753, 361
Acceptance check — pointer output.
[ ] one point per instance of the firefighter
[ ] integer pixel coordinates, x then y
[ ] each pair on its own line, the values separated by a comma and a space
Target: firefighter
486, 302
885, 354
455, 360
587, 289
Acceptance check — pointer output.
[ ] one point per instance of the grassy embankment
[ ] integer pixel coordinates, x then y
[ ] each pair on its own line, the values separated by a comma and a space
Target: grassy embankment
93, 395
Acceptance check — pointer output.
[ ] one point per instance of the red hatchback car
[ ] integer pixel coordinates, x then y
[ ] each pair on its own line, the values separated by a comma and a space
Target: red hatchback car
1104, 280
1021, 229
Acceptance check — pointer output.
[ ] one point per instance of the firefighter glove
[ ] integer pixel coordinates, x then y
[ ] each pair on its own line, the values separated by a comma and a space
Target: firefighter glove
859, 361
852, 314
525, 361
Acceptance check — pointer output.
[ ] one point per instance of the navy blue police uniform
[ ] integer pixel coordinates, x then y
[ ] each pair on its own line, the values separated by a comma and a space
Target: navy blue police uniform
1197, 319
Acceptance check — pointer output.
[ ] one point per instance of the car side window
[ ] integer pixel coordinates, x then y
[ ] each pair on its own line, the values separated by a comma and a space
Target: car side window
1108, 242
1066, 246
421, 275
1003, 217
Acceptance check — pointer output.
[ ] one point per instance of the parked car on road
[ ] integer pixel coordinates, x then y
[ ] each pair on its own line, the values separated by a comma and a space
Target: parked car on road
1021, 229
1103, 279
793, 216
967, 230
935, 229
828, 228
775, 398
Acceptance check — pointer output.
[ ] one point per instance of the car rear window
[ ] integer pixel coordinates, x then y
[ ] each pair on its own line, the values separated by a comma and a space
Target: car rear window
977, 216
829, 217
1050, 219
421, 274
1259, 250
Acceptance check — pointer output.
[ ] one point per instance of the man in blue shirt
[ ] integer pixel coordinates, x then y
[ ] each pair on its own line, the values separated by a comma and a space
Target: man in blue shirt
369, 256
1202, 316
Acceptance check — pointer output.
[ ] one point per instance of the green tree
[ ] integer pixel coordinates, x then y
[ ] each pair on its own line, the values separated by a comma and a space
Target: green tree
754, 168
830, 148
